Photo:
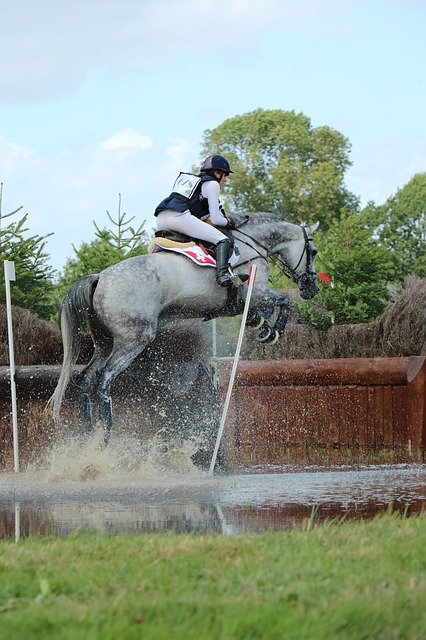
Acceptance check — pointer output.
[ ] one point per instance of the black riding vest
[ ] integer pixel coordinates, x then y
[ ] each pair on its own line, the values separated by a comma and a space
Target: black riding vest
198, 206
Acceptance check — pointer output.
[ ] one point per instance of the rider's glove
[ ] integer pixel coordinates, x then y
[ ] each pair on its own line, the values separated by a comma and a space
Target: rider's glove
230, 224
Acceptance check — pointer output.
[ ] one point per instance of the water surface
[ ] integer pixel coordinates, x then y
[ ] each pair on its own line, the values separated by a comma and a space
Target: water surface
125, 488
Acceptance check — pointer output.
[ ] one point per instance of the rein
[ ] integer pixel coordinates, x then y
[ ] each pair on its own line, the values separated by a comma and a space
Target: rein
288, 271
259, 255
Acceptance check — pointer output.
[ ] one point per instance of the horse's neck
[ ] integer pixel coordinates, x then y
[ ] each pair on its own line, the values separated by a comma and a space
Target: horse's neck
274, 232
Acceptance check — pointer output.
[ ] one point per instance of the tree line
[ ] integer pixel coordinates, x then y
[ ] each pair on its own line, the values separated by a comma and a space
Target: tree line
281, 164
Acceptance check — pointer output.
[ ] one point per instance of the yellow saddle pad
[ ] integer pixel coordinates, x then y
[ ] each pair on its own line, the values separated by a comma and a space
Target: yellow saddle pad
169, 244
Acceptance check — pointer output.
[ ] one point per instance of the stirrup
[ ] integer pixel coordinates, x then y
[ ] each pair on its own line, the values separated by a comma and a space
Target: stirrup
242, 276
225, 279
238, 280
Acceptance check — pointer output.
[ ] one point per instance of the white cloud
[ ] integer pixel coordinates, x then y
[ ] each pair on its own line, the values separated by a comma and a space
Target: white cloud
48, 47
14, 155
417, 165
178, 151
63, 192
127, 139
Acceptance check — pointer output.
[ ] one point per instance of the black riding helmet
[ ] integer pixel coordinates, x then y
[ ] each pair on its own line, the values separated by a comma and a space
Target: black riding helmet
216, 163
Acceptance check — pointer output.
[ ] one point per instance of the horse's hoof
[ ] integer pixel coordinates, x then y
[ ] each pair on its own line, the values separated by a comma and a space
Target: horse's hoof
274, 339
259, 324
268, 335
265, 334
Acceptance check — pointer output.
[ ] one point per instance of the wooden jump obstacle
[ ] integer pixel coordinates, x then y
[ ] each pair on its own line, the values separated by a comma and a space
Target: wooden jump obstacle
357, 408
282, 411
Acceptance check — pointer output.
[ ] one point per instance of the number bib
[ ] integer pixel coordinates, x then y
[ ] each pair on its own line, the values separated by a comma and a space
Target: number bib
186, 184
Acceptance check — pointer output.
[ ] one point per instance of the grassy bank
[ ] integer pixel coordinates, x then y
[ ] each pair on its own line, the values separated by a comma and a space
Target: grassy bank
344, 580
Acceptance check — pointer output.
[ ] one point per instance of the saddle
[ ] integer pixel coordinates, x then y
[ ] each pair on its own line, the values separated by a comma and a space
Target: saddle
169, 239
173, 240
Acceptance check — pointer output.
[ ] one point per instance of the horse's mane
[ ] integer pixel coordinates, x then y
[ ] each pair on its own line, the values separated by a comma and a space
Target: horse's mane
259, 216
263, 216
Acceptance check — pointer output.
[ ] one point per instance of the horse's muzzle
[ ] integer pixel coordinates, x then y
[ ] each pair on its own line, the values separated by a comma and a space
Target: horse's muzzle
308, 286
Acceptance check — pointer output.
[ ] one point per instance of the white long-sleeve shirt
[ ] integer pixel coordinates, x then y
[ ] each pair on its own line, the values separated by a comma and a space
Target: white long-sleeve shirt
211, 191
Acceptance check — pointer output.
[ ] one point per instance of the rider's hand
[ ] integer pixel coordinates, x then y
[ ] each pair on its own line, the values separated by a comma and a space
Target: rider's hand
231, 223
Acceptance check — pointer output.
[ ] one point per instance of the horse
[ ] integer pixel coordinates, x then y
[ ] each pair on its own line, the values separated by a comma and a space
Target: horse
125, 304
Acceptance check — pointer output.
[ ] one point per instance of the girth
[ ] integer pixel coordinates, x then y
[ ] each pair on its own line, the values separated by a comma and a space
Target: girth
168, 238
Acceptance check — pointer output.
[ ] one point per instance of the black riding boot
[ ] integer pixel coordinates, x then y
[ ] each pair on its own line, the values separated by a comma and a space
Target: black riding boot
223, 250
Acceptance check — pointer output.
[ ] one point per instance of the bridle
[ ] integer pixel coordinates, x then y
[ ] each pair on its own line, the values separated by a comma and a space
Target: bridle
304, 278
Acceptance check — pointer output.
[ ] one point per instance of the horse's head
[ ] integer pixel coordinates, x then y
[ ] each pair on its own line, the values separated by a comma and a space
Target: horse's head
300, 260
291, 244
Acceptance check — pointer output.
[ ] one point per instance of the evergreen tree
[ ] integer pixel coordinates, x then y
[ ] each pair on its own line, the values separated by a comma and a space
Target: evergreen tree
34, 277
110, 246
359, 268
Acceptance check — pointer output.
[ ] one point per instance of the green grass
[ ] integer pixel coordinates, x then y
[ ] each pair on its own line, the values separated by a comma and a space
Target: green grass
356, 580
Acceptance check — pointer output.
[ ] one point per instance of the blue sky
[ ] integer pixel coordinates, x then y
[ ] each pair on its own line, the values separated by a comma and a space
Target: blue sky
101, 97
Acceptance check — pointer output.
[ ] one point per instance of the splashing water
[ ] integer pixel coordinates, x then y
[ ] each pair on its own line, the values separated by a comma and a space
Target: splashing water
125, 457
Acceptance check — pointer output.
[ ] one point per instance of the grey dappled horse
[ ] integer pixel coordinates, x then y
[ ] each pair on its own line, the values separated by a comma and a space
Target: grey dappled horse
123, 305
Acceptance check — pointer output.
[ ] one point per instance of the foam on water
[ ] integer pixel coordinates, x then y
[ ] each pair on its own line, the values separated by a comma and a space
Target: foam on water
124, 459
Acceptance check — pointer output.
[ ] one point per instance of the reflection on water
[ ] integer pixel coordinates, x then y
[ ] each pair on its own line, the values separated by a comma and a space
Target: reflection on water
157, 489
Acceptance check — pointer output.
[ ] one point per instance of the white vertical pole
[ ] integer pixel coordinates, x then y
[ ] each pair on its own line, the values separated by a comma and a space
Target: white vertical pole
17, 521
253, 270
9, 274
214, 352
214, 338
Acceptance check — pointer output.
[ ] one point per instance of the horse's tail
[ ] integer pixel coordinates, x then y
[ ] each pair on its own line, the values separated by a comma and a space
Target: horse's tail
75, 313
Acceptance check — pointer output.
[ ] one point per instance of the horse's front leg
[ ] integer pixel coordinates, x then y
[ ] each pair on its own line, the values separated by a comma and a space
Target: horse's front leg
269, 333
255, 319
261, 311
284, 308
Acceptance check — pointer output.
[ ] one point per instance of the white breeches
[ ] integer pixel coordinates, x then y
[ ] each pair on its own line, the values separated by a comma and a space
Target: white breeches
188, 224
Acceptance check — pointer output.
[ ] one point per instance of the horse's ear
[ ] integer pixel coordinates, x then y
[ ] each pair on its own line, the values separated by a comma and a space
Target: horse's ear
314, 227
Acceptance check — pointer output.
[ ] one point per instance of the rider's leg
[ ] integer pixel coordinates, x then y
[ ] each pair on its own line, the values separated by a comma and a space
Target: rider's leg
195, 228
189, 225
223, 250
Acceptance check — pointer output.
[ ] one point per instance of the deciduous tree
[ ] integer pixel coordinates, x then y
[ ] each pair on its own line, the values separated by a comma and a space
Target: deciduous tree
402, 228
359, 268
283, 164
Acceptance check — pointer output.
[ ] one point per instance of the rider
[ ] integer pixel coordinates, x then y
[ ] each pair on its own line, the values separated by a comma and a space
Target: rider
186, 210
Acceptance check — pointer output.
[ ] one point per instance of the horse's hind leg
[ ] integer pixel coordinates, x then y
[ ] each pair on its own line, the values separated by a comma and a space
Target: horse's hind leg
122, 355
88, 384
